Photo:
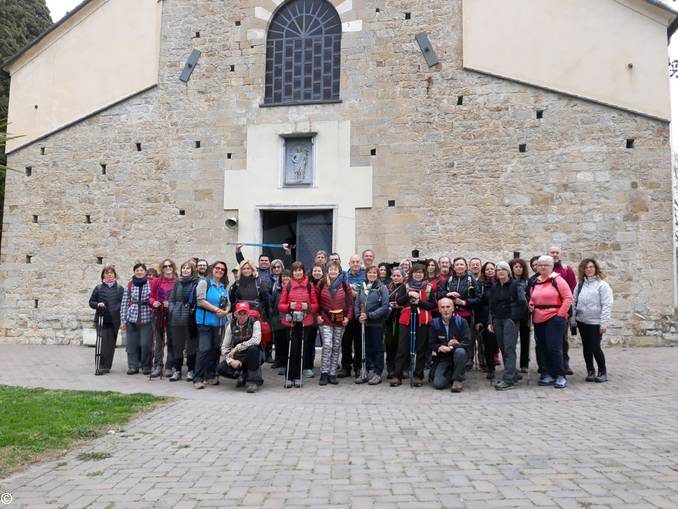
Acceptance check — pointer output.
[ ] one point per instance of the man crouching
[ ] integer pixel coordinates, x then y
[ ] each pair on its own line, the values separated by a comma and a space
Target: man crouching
242, 349
449, 339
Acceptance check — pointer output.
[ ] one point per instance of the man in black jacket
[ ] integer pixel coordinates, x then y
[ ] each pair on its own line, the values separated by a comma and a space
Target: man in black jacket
449, 339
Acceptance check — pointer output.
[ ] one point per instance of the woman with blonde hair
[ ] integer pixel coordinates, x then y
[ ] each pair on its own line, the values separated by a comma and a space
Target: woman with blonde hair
247, 288
592, 308
161, 287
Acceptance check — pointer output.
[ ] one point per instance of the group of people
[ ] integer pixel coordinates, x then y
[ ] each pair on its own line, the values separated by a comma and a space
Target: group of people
446, 315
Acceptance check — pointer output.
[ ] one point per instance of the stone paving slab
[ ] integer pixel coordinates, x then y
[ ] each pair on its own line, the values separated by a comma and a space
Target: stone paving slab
591, 445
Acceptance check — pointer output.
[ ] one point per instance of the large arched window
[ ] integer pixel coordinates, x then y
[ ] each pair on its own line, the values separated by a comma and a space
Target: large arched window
303, 53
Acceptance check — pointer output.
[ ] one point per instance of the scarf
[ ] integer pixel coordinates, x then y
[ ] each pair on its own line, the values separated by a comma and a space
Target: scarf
139, 281
109, 281
333, 285
417, 285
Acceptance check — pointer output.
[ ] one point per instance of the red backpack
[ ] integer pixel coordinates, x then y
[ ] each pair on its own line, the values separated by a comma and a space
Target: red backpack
266, 334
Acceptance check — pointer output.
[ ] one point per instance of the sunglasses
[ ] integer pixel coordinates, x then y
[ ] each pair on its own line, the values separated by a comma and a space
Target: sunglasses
166, 266
220, 269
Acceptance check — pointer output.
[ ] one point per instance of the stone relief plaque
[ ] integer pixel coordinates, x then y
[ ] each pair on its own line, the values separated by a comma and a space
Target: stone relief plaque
298, 162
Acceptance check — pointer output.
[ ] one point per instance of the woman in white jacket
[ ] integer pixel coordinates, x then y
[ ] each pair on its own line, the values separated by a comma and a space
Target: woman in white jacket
591, 313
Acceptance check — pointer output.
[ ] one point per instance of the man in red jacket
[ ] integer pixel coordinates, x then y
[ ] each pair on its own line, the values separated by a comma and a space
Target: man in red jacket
567, 273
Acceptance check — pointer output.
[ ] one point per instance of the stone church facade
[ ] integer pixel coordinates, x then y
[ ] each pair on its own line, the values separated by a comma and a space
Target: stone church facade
470, 128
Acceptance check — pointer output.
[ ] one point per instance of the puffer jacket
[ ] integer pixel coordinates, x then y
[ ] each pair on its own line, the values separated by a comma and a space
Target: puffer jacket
298, 292
375, 301
111, 296
593, 303
507, 301
427, 304
273, 313
342, 299
179, 309
481, 312
466, 287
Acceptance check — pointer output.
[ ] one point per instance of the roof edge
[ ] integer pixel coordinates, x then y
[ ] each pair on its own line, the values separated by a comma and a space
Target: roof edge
66, 17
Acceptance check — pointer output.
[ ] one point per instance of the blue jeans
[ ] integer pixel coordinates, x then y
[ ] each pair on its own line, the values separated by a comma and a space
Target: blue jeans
374, 348
449, 368
506, 331
209, 342
550, 338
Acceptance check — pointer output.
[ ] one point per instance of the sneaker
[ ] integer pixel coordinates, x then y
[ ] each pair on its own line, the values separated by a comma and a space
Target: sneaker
591, 376
308, 373
288, 384
156, 373
241, 381
546, 380
523, 370
457, 386
490, 375
568, 371
252, 388
501, 385
360, 380
146, 371
418, 382
375, 380
518, 376
297, 383
98, 372
189, 376
169, 372
323, 379
561, 382
176, 376
601, 378
213, 381
198, 385
132, 371
344, 373
395, 382
332, 379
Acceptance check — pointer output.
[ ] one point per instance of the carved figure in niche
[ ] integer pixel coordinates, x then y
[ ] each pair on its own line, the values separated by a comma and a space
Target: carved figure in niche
299, 160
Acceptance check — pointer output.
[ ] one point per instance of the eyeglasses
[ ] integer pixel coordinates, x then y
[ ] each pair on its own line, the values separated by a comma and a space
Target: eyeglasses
220, 269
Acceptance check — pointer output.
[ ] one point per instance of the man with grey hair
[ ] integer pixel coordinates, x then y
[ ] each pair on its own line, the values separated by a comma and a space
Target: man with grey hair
351, 346
567, 273
449, 337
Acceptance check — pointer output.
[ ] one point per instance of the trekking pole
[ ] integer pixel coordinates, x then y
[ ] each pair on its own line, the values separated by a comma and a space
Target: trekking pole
301, 358
98, 347
363, 365
289, 351
164, 338
413, 342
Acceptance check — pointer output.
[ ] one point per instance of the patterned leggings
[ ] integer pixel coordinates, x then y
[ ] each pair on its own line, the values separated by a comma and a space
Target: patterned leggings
331, 336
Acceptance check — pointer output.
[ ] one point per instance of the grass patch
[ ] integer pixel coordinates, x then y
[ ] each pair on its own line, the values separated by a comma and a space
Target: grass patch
93, 456
37, 423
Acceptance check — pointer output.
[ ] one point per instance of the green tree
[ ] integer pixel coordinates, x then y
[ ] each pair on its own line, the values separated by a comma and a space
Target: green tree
21, 21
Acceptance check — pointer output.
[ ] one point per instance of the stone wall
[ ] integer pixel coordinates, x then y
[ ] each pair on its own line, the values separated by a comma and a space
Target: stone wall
460, 183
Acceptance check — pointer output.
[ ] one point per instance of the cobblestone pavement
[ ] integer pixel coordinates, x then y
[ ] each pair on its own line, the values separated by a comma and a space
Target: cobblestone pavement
591, 445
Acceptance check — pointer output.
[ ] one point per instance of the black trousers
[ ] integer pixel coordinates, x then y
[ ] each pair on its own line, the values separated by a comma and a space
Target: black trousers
109, 336
391, 344
490, 348
351, 347
309, 347
295, 360
590, 340
251, 359
403, 356
281, 342
524, 328
184, 337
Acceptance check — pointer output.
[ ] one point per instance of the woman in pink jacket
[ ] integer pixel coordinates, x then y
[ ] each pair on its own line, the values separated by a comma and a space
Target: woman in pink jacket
550, 303
298, 306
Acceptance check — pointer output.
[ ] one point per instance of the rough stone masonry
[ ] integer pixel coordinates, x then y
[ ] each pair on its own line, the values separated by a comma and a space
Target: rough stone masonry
443, 143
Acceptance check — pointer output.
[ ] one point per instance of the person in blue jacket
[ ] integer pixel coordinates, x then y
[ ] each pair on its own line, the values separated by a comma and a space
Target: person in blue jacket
211, 296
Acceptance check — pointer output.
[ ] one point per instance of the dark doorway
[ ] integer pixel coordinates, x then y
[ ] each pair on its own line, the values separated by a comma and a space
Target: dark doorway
308, 230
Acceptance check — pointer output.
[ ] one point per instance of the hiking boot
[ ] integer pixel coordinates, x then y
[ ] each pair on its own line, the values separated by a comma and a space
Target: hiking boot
252, 388
323, 379
98, 372
523, 370
146, 371
297, 383
169, 372
240, 382
375, 380
568, 371
106, 371
288, 384
418, 382
601, 378
360, 380
132, 371
591, 376
395, 382
308, 373
198, 385
457, 386
189, 376
344, 373
518, 376
560, 383
176, 376
332, 379
502, 385
546, 380
281, 370
156, 373
213, 381
490, 375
